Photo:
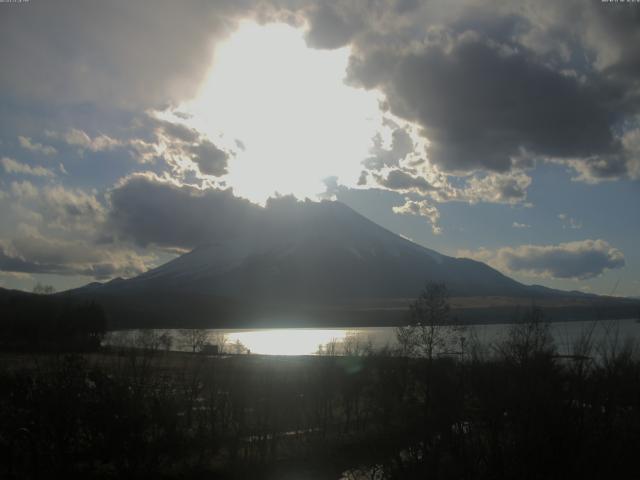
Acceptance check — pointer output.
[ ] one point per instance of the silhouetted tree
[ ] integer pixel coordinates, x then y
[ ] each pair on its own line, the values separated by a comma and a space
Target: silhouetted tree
528, 339
431, 326
194, 338
219, 340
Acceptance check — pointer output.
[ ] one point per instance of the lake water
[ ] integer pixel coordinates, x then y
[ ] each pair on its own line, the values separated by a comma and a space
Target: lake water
310, 341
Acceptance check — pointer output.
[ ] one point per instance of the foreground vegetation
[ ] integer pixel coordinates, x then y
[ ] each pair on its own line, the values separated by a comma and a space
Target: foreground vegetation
435, 406
515, 410
38, 323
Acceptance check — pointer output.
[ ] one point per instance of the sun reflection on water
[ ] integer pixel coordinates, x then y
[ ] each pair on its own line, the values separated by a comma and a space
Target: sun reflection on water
299, 341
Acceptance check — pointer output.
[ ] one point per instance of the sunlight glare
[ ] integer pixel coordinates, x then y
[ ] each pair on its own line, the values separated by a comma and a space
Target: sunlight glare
285, 341
298, 123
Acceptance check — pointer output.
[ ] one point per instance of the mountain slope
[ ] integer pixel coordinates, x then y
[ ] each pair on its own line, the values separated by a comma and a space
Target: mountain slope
322, 252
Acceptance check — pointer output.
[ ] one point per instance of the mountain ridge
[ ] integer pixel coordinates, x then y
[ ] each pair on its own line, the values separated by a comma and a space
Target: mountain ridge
321, 251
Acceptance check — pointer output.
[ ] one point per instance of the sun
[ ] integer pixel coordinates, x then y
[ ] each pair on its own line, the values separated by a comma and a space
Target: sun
286, 112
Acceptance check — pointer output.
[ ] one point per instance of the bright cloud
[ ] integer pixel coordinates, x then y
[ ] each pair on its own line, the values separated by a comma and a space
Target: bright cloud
12, 166
421, 208
28, 144
79, 138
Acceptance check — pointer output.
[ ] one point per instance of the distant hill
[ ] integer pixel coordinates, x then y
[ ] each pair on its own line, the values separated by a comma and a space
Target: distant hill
320, 263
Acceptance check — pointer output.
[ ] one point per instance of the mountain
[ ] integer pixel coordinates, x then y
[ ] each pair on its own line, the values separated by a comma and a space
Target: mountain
309, 260
320, 252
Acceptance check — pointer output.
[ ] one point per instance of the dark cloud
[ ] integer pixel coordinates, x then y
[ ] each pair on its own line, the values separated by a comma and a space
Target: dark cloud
150, 211
209, 158
605, 34
401, 146
150, 128
481, 103
328, 27
493, 83
177, 130
509, 188
498, 84
573, 260
608, 167
403, 182
621, 27
130, 54
152, 138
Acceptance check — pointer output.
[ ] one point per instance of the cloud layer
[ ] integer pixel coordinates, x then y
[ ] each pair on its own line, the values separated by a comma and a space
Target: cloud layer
33, 253
51, 229
493, 84
119, 53
572, 260
149, 210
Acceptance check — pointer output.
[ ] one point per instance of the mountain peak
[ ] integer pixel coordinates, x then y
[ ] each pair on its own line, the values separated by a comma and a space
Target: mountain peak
317, 252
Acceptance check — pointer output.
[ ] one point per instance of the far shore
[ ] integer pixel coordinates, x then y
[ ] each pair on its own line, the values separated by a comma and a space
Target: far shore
365, 313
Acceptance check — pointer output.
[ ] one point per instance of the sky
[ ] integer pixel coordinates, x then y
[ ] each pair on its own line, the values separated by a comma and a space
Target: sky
504, 131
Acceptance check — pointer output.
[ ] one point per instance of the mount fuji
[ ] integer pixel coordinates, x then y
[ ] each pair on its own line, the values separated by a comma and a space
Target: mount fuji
313, 263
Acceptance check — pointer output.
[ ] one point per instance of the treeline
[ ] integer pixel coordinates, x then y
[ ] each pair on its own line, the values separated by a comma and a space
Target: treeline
38, 322
515, 409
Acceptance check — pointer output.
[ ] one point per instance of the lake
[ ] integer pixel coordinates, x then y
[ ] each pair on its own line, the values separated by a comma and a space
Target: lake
311, 341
